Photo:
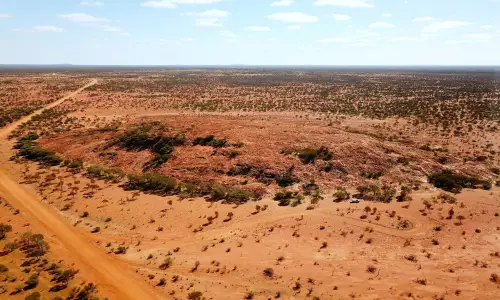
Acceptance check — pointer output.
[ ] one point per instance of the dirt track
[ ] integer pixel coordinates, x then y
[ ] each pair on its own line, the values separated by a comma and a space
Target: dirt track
108, 271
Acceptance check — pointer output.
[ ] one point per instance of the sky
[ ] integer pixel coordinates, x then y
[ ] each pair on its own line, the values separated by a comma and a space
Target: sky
250, 32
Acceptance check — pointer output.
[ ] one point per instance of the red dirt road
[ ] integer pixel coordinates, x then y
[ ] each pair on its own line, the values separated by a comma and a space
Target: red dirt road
108, 271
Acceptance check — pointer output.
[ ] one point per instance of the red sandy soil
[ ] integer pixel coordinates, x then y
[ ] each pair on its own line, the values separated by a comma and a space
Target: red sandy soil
327, 250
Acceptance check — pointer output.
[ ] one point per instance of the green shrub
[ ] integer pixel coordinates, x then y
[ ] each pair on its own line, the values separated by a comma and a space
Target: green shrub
167, 263
285, 198
154, 183
139, 139
341, 194
196, 295
157, 161
4, 228
33, 296
284, 195
64, 276
105, 173
33, 244
309, 155
31, 283
29, 150
76, 164
383, 193
269, 272
3, 268
286, 178
229, 194
210, 140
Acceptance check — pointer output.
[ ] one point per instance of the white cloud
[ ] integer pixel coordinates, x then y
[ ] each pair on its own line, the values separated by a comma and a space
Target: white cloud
228, 33
91, 21
438, 26
381, 25
423, 19
478, 36
106, 27
208, 22
347, 3
174, 3
282, 3
125, 33
340, 17
367, 33
41, 28
333, 40
405, 39
5, 16
294, 27
453, 42
214, 13
486, 27
293, 17
258, 28
209, 18
187, 39
159, 4
96, 3
47, 29
387, 15
82, 18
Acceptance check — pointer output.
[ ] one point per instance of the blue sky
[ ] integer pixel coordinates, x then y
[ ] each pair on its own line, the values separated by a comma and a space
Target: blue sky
253, 32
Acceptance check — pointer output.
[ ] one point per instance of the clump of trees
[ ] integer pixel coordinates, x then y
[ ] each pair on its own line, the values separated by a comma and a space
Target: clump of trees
286, 198
29, 149
282, 178
383, 193
31, 244
139, 139
105, 173
154, 183
230, 194
10, 115
163, 185
451, 182
309, 155
341, 194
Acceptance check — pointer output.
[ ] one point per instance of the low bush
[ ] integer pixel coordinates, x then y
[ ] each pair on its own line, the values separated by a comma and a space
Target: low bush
230, 194
31, 283
286, 178
75, 164
154, 183
196, 295
3, 268
384, 193
341, 194
4, 228
33, 296
210, 140
167, 263
269, 272
309, 155
105, 173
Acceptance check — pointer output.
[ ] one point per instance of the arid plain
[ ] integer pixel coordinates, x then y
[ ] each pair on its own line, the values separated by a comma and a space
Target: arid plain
250, 184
